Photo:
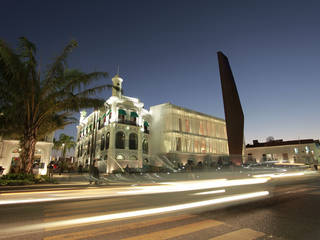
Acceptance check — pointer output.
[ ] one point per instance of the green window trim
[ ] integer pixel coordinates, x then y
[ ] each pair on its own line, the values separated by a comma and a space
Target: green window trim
134, 114
122, 112
146, 124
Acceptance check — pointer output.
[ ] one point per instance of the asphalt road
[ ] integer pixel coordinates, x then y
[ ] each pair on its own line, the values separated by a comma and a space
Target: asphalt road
287, 208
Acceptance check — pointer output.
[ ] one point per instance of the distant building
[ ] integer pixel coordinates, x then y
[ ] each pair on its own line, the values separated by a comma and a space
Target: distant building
10, 150
294, 151
123, 134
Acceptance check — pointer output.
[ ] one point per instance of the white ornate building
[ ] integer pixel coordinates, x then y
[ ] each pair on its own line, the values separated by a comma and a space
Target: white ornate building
117, 135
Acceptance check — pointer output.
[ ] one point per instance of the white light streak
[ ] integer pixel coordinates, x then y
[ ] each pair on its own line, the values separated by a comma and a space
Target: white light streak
140, 213
211, 192
193, 185
280, 175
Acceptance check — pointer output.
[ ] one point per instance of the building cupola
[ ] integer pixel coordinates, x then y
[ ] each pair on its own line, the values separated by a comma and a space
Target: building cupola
117, 86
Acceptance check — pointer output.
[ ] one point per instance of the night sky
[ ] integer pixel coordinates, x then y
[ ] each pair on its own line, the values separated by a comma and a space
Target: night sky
167, 53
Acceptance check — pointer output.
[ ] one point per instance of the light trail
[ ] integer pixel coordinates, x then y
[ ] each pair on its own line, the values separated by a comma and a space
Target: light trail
211, 192
167, 187
280, 175
138, 213
194, 185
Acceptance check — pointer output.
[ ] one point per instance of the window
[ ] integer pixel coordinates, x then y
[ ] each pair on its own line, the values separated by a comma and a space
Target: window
296, 151
307, 149
203, 146
180, 125
88, 149
133, 117
107, 140
120, 140
122, 113
178, 142
102, 142
201, 131
145, 146
146, 125
120, 157
133, 141
187, 126
285, 156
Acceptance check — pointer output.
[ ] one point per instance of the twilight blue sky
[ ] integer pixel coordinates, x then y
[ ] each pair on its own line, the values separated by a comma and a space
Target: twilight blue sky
167, 53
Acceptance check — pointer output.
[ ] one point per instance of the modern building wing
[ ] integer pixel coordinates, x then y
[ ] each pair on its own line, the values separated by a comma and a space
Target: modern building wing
185, 135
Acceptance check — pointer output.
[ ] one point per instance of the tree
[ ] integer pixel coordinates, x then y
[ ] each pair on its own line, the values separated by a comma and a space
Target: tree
32, 103
65, 143
270, 139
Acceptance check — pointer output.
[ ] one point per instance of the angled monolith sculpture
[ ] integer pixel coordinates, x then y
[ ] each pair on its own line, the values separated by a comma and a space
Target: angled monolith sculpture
232, 110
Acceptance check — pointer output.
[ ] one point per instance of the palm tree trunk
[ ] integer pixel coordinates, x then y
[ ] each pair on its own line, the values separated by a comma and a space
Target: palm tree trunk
28, 145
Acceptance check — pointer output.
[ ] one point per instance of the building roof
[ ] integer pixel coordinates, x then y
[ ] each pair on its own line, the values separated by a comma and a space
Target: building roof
187, 110
280, 142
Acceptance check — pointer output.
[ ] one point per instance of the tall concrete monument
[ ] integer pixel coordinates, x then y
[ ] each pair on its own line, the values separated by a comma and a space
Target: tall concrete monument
232, 110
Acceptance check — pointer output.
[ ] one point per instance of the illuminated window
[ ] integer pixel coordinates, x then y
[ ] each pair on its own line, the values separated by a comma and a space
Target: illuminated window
201, 131
296, 151
120, 157
203, 146
102, 142
107, 140
307, 149
187, 125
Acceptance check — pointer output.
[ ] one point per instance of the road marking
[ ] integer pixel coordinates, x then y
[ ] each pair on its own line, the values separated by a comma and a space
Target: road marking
177, 231
117, 228
242, 234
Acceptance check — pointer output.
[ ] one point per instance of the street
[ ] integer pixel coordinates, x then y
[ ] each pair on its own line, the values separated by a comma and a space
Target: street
246, 208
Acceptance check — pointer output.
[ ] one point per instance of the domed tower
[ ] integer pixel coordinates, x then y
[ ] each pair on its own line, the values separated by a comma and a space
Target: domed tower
117, 86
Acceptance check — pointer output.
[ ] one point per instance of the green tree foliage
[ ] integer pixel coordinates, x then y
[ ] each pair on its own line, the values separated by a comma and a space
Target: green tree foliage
35, 103
64, 144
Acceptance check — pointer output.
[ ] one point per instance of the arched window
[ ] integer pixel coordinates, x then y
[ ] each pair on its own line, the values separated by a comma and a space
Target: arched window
107, 140
133, 141
102, 142
120, 157
120, 140
145, 147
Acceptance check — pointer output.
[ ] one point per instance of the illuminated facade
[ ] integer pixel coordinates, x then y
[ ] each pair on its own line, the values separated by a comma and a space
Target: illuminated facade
185, 135
122, 133
10, 150
294, 151
116, 135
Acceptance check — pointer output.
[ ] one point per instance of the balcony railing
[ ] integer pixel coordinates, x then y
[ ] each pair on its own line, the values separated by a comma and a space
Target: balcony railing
128, 122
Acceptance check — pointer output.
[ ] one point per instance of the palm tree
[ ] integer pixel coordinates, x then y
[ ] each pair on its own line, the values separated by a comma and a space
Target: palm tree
33, 104
65, 143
